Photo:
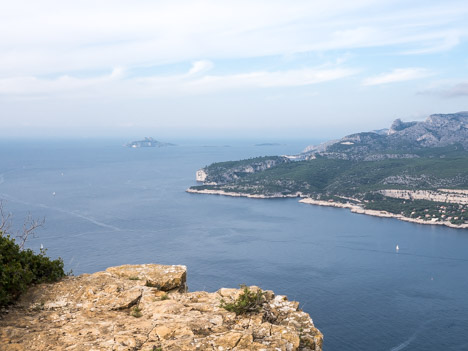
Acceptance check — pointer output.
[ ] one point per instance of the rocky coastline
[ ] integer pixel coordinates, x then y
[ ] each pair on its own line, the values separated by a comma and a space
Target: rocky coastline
358, 209
235, 194
147, 307
353, 207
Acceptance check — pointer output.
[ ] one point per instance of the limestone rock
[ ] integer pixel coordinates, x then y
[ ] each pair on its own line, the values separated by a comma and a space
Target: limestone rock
457, 196
164, 278
438, 130
125, 308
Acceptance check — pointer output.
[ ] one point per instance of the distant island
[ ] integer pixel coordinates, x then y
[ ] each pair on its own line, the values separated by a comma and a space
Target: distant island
268, 144
148, 142
413, 171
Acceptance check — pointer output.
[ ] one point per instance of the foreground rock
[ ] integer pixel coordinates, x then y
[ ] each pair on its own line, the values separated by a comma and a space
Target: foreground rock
145, 307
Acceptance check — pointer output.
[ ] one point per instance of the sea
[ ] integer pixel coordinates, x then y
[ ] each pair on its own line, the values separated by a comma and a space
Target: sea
106, 205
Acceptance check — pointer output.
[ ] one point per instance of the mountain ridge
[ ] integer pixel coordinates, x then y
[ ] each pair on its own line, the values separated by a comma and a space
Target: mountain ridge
438, 130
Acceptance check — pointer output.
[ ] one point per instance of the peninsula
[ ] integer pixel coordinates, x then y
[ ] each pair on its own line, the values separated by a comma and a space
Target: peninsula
413, 171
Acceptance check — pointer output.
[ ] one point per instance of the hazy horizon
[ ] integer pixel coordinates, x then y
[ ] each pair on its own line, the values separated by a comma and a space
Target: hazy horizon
131, 134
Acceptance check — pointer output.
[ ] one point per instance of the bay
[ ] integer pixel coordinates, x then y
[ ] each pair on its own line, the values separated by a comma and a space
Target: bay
115, 205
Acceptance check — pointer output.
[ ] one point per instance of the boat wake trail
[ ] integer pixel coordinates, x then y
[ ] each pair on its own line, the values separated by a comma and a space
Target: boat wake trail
412, 337
71, 213
406, 343
86, 218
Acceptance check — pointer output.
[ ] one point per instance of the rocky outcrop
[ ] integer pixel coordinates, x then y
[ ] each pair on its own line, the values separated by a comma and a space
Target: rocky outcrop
451, 196
437, 130
200, 175
399, 125
146, 307
355, 208
224, 172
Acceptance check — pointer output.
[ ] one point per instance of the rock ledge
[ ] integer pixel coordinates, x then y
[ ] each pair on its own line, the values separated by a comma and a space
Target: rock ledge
146, 307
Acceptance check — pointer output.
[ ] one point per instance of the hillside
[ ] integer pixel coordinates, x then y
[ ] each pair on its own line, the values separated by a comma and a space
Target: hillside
361, 168
401, 140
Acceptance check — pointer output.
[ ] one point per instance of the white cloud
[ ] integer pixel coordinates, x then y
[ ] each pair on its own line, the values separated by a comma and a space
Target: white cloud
457, 90
200, 67
444, 41
117, 72
63, 85
265, 79
447, 89
193, 82
397, 75
54, 52
53, 36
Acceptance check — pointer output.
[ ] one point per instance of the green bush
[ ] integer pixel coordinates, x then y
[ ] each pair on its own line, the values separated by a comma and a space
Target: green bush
136, 312
19, 269
248, 301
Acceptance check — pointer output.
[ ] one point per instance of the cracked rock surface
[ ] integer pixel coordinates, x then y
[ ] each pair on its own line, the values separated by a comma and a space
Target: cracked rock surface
146, 307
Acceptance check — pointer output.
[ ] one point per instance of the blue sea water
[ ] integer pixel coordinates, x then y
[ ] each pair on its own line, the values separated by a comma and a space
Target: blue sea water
115, 205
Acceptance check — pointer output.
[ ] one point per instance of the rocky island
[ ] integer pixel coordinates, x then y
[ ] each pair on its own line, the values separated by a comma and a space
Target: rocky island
147, 307
148, 142
413, 171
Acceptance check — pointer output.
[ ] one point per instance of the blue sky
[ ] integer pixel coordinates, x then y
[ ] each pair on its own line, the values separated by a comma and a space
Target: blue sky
239, 68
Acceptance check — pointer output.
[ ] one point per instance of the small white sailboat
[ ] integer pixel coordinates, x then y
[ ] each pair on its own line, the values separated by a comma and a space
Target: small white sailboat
53, 194
397, 248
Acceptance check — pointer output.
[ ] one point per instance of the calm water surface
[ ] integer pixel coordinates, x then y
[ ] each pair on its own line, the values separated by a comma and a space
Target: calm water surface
115, 205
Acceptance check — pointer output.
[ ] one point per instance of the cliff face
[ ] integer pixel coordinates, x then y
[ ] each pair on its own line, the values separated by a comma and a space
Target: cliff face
224, 172
146, 307
453, 196
200, 175
436, 131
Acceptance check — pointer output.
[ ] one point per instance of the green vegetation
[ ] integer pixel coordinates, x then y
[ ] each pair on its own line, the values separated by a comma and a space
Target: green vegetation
39, 306
248, 301
151, 284
222, 172
421, 209
223, 166
333, 178
133, 278
19, 269
136, 312
164, 297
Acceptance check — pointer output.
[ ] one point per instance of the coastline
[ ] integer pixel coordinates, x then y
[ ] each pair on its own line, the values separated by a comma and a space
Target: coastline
359, 210
252, 196
306, 200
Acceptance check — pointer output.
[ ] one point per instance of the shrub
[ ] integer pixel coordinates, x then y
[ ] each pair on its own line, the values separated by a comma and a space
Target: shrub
248, 301
164, 297
136, 312
19, 269
151, 284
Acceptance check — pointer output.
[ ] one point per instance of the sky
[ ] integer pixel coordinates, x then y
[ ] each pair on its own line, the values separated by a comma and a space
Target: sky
259, 68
